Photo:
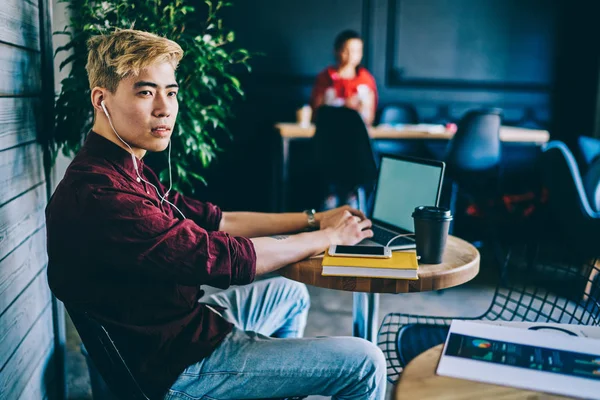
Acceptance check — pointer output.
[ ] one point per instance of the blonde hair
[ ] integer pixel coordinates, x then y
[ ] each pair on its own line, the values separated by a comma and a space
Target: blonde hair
125, 52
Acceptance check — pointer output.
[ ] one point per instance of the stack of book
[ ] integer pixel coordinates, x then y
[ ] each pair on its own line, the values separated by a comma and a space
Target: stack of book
402, 265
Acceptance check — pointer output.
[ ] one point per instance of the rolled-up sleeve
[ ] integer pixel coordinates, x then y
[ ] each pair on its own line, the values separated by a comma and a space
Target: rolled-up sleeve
133, 235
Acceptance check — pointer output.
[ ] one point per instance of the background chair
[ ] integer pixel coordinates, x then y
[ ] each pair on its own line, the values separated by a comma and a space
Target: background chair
473, 161
398, 114
589, 151
344, 157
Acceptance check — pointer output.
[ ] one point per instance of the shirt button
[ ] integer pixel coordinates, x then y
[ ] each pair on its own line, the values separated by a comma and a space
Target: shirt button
147, 192
138, 179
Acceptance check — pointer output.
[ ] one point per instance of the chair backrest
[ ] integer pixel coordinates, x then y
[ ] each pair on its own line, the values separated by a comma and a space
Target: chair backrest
561, 288
398, 114
567, 200
589, 149
342, 148
476, 144
106, 357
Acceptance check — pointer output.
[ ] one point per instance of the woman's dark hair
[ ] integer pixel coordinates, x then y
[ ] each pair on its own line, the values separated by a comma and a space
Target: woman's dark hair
343, 37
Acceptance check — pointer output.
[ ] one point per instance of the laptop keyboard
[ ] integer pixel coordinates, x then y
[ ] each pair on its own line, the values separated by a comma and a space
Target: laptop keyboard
383, 236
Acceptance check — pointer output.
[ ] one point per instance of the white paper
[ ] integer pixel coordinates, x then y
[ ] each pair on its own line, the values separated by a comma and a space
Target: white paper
468, 361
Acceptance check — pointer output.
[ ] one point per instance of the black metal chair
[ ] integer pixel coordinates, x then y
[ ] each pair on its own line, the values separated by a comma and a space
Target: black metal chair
343, 154
541, 294
107, 360
398, 114
106, 357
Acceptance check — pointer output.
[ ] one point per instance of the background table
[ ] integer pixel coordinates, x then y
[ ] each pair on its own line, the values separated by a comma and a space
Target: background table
461, 264
292, 131
419, 381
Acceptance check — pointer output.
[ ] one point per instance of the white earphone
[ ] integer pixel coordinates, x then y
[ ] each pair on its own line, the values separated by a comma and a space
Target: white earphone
139, 177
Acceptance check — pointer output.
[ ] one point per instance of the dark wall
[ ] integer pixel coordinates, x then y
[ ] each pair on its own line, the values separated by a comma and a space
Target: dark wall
442, 56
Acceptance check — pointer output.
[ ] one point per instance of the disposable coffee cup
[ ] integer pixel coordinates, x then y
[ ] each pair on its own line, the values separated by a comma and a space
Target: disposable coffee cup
431, 232
303, 116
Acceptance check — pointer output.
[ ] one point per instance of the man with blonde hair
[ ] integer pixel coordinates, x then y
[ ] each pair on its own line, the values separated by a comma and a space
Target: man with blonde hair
134, 255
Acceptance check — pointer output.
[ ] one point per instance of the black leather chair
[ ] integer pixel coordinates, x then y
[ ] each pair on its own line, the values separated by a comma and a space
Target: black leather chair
398, 114
473, 160
344, 158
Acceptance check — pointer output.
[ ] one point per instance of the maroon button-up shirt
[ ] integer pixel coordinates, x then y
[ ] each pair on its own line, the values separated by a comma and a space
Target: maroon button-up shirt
136, 265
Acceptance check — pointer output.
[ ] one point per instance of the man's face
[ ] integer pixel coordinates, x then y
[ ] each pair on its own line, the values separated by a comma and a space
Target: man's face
144, 108
352, 53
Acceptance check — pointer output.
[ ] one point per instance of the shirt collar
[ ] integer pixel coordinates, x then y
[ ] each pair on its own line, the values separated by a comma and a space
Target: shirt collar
99, 146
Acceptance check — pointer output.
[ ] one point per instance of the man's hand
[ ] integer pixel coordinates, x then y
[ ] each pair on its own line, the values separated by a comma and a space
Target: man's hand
330, 218
347, 229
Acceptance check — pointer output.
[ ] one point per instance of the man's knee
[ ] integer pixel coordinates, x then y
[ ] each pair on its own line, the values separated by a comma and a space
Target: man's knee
373, 360
293, 289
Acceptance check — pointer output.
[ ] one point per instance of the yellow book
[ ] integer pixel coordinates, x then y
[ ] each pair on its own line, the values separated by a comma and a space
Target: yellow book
402, 265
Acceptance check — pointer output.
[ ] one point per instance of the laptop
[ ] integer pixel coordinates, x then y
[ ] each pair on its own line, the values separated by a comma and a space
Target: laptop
403, 183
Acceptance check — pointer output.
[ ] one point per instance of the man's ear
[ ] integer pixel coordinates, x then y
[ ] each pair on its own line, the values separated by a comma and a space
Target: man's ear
98, 94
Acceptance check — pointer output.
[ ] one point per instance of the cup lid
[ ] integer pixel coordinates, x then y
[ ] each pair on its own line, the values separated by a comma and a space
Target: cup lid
432, 212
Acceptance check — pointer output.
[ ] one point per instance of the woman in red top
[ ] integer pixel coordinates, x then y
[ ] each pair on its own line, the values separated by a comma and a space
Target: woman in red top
347, 84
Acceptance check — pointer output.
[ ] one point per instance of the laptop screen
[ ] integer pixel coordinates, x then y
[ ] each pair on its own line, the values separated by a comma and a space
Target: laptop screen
404, 185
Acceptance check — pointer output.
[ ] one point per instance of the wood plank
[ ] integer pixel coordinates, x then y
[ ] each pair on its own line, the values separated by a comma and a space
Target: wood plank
20, 24
21, 266
20, 71
20, 218
18, 121
18, 319
42, 384
21, 168
23, 362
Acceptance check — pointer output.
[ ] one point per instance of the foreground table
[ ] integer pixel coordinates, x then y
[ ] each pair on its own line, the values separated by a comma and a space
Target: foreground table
419, 381
461, 264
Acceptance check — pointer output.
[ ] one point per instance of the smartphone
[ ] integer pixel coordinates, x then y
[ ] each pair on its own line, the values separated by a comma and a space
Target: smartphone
360, 251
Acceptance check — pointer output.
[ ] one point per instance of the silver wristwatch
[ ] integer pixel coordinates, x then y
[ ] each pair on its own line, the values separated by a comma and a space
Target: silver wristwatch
312, 222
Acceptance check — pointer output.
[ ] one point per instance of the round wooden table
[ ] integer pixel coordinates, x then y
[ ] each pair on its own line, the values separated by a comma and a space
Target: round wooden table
460, 264
419, 381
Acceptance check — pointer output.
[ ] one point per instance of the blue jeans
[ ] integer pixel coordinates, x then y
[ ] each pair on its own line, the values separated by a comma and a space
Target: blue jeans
265, 357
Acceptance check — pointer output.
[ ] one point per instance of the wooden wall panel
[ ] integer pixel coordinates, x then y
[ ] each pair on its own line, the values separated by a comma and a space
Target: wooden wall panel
18, 121
20, 23
20, 218
21, 168
42, 384
20, 267
31, 354
20, 71
22, 314
25, 359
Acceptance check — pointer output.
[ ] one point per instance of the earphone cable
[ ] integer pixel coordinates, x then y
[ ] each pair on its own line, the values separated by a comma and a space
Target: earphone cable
135, 167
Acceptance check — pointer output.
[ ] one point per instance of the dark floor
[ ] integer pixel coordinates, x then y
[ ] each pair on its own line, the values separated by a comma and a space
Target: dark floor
331, 314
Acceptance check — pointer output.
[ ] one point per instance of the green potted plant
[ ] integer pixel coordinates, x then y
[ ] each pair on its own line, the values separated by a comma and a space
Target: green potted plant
206, 75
